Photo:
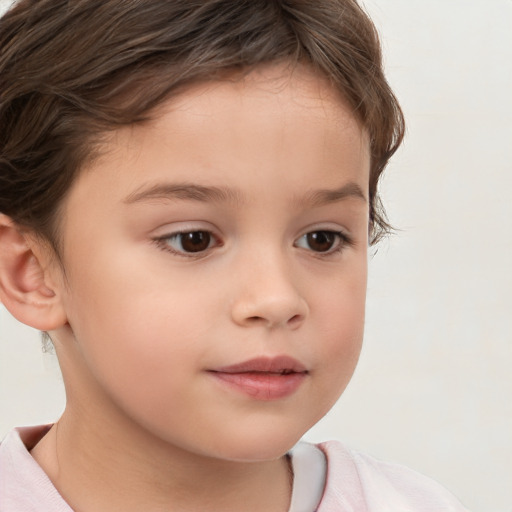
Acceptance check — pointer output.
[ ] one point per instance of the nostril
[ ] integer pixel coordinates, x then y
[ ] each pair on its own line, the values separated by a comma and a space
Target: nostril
295, 319
271, 310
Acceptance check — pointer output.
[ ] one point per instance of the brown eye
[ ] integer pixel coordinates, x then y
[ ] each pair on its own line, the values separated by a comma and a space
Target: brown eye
321, 241
190, 242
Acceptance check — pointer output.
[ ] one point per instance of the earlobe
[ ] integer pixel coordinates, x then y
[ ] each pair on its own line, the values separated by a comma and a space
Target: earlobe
24, 287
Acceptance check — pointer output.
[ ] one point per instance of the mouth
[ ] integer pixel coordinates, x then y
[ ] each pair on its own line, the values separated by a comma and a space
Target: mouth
263, 378
281, 365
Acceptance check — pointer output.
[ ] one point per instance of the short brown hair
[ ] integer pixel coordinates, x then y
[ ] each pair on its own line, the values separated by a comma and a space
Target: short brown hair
71, 70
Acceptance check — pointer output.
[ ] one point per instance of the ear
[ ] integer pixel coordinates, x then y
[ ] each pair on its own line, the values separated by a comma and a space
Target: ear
25, 286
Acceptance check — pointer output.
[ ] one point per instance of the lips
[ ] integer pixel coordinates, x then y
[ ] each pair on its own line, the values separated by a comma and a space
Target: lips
279, 365
263, 378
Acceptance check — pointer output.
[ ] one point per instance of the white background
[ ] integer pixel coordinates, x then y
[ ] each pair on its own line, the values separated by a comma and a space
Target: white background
434, 386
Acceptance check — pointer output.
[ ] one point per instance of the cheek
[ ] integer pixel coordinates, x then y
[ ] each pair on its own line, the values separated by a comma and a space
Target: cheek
142, 357
140, 330
340, 327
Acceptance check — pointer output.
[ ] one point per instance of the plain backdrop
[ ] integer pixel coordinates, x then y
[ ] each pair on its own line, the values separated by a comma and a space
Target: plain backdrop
433, 388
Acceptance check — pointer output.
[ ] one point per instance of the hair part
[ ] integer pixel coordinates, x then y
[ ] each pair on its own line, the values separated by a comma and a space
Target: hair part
72, 70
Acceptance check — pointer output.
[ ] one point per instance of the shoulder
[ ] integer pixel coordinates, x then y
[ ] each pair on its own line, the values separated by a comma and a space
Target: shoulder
24, 487
359, 482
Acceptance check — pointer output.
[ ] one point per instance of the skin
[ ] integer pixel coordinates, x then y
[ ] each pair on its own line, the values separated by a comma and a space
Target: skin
146, 424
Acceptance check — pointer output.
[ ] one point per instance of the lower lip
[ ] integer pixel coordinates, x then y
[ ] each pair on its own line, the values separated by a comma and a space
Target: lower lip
262, 386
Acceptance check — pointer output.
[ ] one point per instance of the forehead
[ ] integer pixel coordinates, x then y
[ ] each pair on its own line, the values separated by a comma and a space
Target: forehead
245, 105
282, 83
281, 89
276, 117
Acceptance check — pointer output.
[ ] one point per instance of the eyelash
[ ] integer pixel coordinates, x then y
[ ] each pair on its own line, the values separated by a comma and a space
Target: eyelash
343, 241
163, 243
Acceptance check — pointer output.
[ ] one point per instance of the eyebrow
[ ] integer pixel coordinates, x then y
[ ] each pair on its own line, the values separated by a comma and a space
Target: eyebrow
324, 197
183, 191
192, 192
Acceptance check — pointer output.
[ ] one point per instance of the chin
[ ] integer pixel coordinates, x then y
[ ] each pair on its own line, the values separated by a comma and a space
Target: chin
268, 444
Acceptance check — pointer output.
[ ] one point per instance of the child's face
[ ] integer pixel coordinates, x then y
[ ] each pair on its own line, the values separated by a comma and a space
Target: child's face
262, 174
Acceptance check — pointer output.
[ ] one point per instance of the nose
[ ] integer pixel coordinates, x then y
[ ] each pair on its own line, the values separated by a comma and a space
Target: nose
268, 296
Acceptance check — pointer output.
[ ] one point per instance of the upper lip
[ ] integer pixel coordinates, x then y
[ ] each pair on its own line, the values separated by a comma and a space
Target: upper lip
278, 364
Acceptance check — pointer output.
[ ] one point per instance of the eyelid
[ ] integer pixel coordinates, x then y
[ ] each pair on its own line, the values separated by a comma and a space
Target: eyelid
344, 239
161, 240
326, 226
172, 228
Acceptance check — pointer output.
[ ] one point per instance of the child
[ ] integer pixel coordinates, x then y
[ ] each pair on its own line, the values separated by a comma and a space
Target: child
187, 193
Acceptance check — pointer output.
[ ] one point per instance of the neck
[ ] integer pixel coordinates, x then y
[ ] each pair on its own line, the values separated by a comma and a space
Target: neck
129, 471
